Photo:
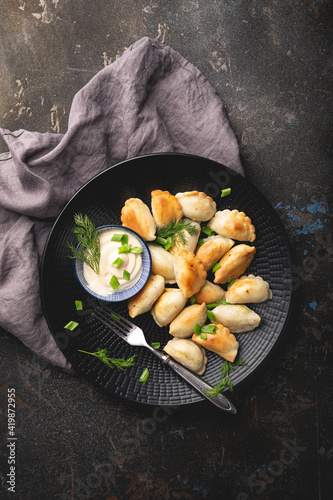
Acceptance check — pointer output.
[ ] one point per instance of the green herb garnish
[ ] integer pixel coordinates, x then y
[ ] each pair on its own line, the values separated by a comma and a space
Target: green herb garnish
176, 230
216, 267
209, 328
71, 325
227, 367
124, 248
211, 316
207, 230
123, 238
144, 376
126, 275
78, 305
120, 364
117, 263
88, 242
225, 192
197, 329
156, 345
114, 282
136, 250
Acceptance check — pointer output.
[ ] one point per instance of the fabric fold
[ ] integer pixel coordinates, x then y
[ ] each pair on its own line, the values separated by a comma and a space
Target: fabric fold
150, 100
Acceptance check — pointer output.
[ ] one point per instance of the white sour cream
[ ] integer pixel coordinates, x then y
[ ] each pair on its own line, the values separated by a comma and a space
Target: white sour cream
132, 262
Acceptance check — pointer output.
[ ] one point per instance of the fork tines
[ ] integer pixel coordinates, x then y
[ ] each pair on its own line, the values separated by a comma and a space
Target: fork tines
115, 322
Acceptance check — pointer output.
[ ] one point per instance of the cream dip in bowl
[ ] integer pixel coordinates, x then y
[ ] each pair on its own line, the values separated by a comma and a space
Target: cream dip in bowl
124, 265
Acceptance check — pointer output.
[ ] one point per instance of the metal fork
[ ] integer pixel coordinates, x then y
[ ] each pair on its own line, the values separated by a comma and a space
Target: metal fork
133, 335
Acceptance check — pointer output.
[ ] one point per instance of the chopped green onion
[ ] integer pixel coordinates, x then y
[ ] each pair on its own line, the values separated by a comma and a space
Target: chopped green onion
211, 316
160, 241
136, 250
118, 237
197, 329
117, 262
216, 267
168, 243
126, 275
224, 302
209, 329
200, 242
212, 305
78, 305
203, 336
225, 192
71, 325
156, 345
192, 299
144, 376
114, 282
115, 316
124, 248
231, 283
207, 230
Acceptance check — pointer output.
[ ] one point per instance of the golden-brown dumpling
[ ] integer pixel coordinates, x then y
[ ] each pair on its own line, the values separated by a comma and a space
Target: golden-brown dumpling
183, 324
213, 249
188, 354
162, 263
233, 224
136, 215
165, 207
189, 272
248, 289
234, 263
237, 318
191, 240
196, 205
210, 293
222, 342
168, 306
144, 300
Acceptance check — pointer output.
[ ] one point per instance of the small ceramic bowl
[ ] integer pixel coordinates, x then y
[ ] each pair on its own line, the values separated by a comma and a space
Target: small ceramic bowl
127, 293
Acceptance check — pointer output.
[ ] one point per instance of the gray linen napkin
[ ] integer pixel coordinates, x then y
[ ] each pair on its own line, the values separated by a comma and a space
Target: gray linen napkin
149, 100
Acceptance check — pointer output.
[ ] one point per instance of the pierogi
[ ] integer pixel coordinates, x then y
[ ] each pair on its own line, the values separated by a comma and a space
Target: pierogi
247, 289
189, 272
168, 306
143, 301
136, 216
222, 342
238, 318
197, 205
233, 224
188, 354
183, 324
234, 263
165, 207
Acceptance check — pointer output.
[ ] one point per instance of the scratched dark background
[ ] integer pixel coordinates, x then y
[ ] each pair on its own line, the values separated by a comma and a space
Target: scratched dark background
271, 62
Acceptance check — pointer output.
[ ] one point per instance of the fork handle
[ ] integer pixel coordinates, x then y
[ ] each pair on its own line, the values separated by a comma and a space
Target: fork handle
196, 382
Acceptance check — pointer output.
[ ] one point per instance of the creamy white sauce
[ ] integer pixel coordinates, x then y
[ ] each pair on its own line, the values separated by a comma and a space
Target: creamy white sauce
132, 262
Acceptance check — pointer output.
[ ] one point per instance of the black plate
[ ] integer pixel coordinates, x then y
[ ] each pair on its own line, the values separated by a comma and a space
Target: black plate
102, 199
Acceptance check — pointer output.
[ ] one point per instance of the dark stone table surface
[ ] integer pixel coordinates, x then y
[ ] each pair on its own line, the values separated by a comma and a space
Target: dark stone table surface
271, 63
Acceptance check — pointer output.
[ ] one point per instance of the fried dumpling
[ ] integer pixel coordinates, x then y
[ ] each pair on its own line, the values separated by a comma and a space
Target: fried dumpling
213, 249
210, 293
144, 300
168, 306
183, 324
162, 263
196, 205
234, 263
136, 215
191, 239
247, 289
188, 354
233, 224
237, 318
189, 272
165, 207
222, 342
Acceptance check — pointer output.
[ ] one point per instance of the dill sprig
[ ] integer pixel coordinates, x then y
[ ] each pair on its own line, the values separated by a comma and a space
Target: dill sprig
176, 230
119, 363
226, 368
88, 240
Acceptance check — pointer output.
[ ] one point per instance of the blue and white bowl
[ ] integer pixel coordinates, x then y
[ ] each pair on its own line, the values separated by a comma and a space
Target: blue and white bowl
117, 296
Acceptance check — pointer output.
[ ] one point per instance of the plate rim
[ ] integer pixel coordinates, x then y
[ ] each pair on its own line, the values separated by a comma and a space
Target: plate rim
279, 341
